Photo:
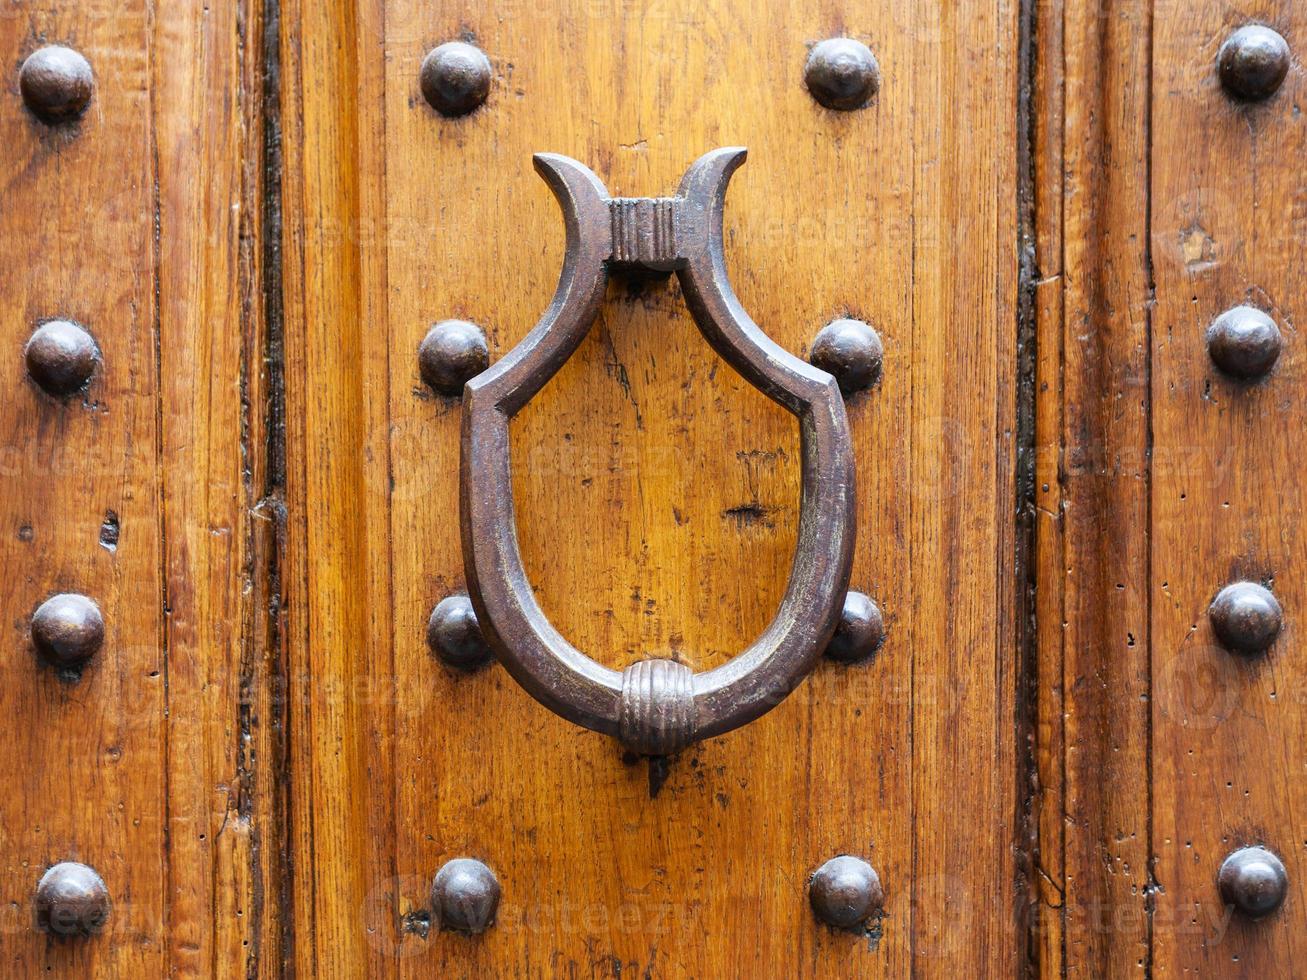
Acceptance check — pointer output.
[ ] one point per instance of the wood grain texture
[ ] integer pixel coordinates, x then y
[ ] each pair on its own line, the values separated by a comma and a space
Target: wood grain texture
1163, 203
218, 525
267, 764
341, 728
1047, 95
1093, 299
1228, 206
139, 221
85, 759
658, 493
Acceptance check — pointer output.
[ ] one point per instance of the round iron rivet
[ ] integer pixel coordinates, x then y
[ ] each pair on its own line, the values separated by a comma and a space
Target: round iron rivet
56, 83
852, 351
1253, 880
842, 73
455, 78
465, 896
1244, 342
71, 900
1246, 617
67, 629
1253, 62
845, 892
860, 632
61, 356
452, 353
454, 634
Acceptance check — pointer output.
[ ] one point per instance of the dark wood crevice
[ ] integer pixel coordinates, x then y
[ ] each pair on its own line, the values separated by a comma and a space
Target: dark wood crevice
262, 723
1025, 564
273, 499
1150, 878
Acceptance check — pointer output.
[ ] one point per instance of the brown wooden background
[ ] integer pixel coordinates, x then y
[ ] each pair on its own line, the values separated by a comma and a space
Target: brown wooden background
258, 220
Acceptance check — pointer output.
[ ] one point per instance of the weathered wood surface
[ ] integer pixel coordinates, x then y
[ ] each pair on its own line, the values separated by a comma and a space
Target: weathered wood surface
1229, 223
141, 221
1162, 203
258, 220
1091, 489
658, 494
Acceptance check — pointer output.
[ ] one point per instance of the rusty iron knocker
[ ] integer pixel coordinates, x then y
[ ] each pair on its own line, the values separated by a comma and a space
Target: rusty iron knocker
655, 707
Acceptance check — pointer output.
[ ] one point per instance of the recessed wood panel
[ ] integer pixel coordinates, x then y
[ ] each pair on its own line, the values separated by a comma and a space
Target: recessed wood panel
657, 493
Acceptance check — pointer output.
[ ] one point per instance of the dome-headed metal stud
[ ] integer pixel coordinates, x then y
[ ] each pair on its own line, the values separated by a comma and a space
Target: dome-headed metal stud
1253, 62
845, 892
842, 73
67, 629
61, 356
1246, 617
455, 78
56, 83
1253, 880
452, 353
454, 634
465, 896
852, 351
71, 900
1244, 342
860, 632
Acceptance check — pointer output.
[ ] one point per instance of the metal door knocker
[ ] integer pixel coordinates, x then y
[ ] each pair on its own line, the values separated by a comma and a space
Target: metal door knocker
657, 706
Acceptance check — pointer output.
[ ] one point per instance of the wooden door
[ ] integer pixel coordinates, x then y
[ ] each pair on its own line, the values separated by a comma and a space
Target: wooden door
257, 219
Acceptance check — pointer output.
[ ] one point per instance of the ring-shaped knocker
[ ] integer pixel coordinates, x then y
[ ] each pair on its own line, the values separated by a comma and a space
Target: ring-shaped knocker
655, 706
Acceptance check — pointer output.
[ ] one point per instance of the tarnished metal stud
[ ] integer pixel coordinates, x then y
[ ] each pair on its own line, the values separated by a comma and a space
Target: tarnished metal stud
67, 630
464, 896
1253, 881
454, 634
56, 83
453, 352
852, 351
1253, 62
845, 892
1244, 342
71, 900
842, 73
61, 356
455, 78
1246, 617
860, 632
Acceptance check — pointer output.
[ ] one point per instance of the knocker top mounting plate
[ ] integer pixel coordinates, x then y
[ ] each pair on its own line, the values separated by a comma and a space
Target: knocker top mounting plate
657, 706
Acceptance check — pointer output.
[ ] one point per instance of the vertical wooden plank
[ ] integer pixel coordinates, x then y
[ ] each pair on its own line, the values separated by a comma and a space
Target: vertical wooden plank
1047, 107
568, 534
139, 221
657, 493
222, 909
965, 904
337, 562
1092, 486
83, 757
1227, 205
